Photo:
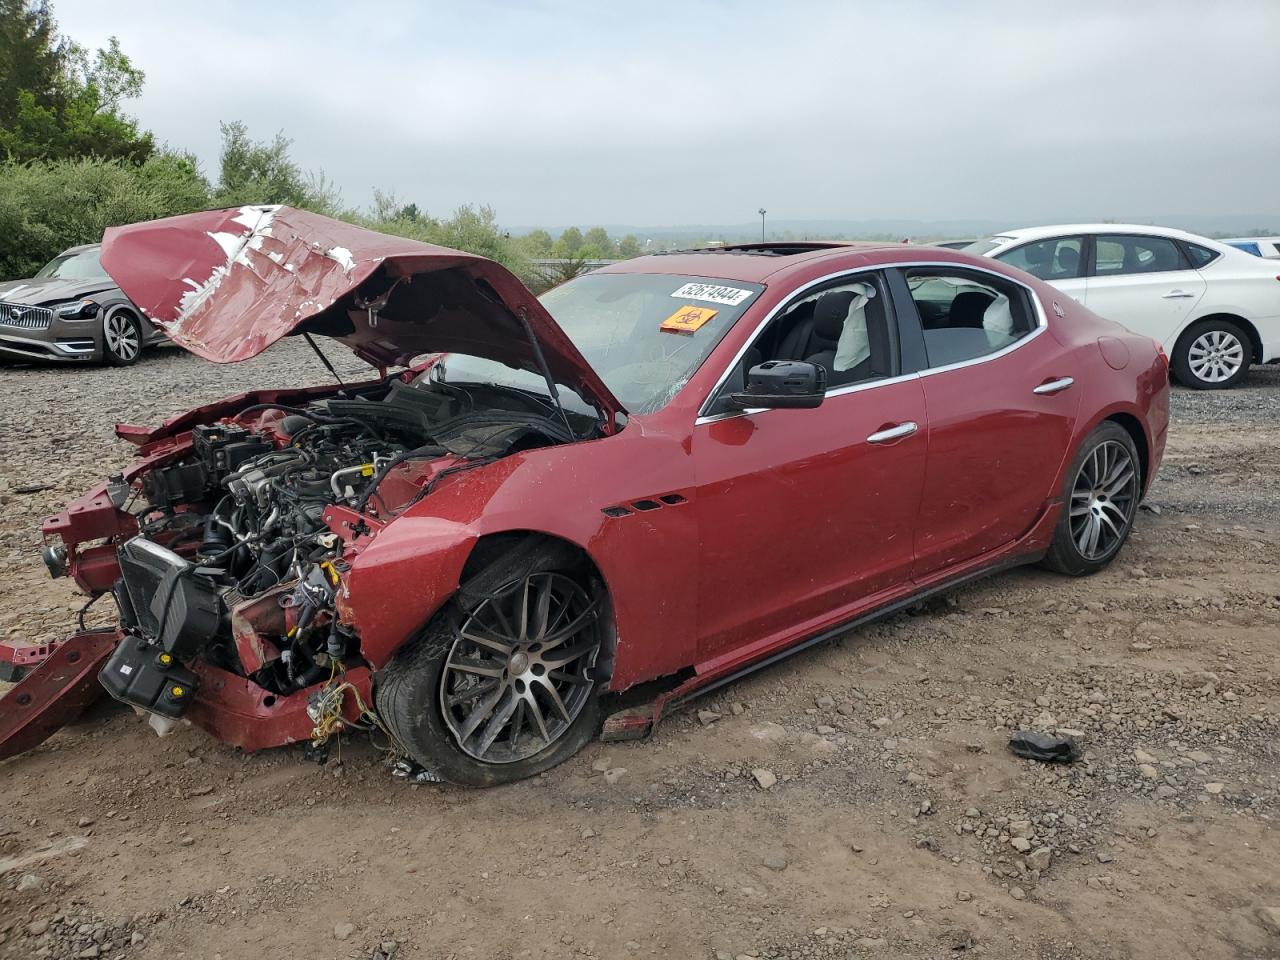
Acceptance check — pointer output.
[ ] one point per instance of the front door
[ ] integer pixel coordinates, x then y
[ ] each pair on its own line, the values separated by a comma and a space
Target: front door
804, 513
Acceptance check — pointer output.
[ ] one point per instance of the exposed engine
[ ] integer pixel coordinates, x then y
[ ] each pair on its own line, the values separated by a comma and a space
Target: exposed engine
235, 564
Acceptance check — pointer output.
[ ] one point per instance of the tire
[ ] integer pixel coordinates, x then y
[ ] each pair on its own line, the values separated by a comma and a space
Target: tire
1101, 493
432, 695
121, 338
1212, 355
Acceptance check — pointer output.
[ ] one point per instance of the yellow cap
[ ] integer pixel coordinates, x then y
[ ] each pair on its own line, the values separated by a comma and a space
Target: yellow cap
166, 658
177, 692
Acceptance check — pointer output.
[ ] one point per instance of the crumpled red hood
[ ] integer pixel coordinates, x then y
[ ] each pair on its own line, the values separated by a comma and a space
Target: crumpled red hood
226, 284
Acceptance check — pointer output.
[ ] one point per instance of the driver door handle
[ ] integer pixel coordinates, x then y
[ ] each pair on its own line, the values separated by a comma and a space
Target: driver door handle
894, 433
1050, 387
1177, 295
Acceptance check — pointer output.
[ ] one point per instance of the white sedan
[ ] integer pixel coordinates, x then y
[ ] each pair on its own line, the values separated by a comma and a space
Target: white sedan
1215, 309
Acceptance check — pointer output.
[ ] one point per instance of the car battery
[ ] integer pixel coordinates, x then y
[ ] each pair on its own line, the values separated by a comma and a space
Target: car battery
144, 675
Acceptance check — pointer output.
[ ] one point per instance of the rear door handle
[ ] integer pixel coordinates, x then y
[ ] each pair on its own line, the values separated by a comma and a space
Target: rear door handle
894, 433
1177, 295
1050, 387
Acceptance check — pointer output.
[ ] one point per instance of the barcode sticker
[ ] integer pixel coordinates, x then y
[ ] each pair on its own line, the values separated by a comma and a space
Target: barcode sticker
714, 292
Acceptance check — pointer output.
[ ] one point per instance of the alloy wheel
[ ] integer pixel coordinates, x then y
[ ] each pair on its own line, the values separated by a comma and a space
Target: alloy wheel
521, 668
123, 337
1215, 356
1102, 500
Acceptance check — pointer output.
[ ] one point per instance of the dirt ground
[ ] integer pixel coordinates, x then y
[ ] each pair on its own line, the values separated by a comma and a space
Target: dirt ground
899, 826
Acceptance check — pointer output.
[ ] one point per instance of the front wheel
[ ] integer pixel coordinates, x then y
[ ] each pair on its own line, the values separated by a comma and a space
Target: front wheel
1212, 355
503, 683
121, 339
1103, 486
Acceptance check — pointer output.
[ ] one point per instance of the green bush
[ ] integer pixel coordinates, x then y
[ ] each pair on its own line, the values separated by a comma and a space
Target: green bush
46, 207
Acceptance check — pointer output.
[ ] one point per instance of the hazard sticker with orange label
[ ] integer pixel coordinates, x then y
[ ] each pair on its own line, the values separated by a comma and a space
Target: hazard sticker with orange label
687, 319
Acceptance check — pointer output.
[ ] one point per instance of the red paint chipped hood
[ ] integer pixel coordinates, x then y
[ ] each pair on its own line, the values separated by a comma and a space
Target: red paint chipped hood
226, 284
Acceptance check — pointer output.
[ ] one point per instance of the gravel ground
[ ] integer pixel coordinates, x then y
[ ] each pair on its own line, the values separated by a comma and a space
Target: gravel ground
857, 800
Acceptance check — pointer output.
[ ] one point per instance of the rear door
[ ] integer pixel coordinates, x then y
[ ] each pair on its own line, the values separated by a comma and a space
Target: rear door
1002, 403
1143, 282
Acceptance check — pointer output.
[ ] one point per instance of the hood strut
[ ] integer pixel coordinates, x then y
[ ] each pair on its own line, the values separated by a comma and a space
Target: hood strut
546, 371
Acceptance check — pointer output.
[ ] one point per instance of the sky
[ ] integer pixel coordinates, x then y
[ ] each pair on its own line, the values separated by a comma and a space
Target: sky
668, 113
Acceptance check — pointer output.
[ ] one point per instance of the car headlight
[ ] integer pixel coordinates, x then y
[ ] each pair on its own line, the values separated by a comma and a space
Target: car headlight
77, 310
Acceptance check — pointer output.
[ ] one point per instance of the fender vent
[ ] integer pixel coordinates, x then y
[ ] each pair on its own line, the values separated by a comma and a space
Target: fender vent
645, 505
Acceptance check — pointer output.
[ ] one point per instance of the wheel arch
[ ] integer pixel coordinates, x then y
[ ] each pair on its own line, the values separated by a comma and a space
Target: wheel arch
1133, 426
1255, 338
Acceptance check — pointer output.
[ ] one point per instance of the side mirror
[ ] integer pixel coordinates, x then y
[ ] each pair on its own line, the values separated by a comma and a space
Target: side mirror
783, 384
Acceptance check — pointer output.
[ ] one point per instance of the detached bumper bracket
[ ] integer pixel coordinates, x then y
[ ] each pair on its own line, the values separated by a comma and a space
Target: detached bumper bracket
55, 691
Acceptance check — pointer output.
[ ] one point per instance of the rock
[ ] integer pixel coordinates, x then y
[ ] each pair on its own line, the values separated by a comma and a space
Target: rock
770, 732
1148, 771
775, 861
881, 722
964, 896
1105, 858
587, 834
37, 927
1021, 844
1199, 756
135, 938
871, 943
825, 702
764, 777
343, 930
1139, 646
88, 953
1143, 757
614, 775
187, 841
707, 717
601, 765
824, 731
28, 883
1040, 858
737, 709
1022, 828
1045, 721
1214, 788
84, 822
1166, 792
1269, 917
1017, 893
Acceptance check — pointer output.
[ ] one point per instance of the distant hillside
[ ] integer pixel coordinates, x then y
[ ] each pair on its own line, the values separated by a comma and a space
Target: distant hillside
889, 229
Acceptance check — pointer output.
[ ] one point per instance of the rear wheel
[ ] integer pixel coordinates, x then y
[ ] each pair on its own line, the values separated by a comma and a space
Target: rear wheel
503, 683
121, 338
1212, 355
1103, 487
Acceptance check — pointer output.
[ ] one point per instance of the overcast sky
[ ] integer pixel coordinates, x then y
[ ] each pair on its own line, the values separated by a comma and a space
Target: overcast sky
659, 113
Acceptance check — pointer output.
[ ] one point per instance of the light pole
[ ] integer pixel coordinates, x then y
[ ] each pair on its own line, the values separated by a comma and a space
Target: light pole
763, 211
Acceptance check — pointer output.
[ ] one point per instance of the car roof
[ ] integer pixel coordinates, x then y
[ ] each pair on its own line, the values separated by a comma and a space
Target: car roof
1066, 229
746, 262
84, 247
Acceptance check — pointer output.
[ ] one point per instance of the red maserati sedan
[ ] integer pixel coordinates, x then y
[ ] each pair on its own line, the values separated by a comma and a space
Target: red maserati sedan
543, 520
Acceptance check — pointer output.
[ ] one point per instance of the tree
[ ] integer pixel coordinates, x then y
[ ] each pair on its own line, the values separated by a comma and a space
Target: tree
628, 247
56, 100
569, 242
536, 244
598, 239
253, 172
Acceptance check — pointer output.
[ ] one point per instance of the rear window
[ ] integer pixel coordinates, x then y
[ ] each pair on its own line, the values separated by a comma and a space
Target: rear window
1201, 256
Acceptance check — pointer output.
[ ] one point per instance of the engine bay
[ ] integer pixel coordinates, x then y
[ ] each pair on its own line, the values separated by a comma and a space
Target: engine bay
234, 564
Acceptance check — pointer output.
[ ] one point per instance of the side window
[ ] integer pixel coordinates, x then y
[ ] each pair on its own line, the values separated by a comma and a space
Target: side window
965, 316
1200, 256
845, 326
1117, 255
1055, 259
